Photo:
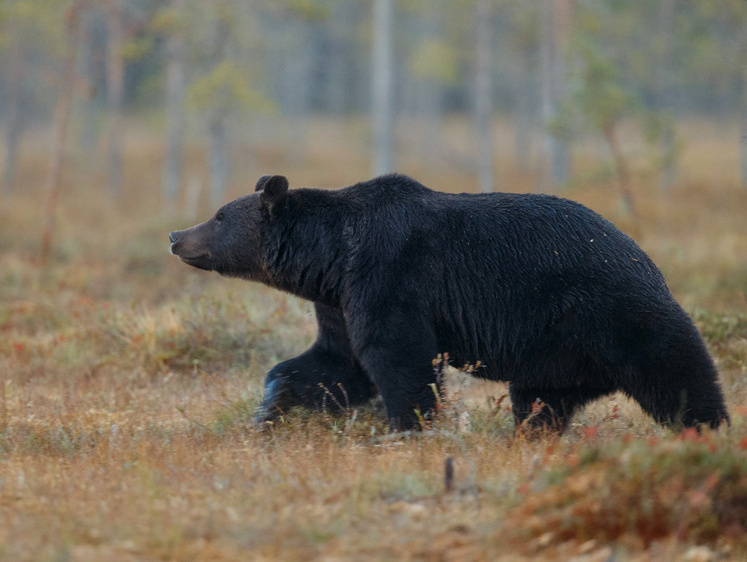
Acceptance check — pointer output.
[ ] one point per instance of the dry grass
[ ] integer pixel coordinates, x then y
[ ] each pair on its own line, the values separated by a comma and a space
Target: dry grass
127, 382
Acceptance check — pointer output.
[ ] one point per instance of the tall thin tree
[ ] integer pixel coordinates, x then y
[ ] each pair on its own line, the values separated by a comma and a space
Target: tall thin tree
13, 113
382, 112
61, 118
90, 53
524, 34
483, 98
665, 77
175, 94
114, 95
217, 117
555, 30
743, 120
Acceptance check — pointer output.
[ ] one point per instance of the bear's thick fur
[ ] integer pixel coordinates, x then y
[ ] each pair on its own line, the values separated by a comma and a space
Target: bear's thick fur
543, 292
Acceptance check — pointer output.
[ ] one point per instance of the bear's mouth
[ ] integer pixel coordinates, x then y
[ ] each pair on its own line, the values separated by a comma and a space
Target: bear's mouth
201, 261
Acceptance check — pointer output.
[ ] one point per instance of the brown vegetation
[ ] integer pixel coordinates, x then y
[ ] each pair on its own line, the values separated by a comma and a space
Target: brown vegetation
128, 382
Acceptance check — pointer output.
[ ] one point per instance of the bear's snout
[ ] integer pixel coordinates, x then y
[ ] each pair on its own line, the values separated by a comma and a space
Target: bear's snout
192, 246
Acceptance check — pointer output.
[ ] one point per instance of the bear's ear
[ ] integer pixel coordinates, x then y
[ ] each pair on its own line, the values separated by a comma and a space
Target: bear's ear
261, 183
274, 192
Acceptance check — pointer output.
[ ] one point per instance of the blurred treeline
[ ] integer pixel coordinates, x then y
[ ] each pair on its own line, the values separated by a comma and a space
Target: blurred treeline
219, 72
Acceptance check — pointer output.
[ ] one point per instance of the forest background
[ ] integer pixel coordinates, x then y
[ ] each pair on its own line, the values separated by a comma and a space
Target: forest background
128, 381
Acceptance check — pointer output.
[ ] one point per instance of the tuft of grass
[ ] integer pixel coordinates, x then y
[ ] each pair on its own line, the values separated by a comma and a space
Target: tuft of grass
127, 381
717, 327
692, 488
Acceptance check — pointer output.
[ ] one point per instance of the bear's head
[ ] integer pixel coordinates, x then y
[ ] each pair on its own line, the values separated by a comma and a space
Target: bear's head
231, 242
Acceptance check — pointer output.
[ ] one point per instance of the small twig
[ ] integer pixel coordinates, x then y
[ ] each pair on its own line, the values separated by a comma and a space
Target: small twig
334, 398
190, 420
449, 474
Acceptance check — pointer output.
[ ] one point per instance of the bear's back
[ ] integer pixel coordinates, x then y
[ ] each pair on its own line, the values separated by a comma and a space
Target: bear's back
529, 228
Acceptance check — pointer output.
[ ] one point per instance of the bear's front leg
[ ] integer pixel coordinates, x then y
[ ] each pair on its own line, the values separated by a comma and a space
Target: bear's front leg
314, 379
398, 355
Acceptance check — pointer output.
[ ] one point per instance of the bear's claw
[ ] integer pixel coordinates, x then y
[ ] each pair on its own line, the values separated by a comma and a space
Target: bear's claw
277, 399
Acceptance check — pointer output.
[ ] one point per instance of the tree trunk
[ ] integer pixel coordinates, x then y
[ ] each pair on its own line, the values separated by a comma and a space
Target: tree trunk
562, 155
555, 23
743, 137
13, 116
382, 86
61, 117
544, 179
483, 101
175, 91
523, 116
427, 88
114, 97
217, 121
337, 93
666, 92
218, 154
299, 75
623, 172
91, 106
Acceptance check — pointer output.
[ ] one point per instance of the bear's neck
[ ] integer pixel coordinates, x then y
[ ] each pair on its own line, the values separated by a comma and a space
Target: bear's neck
305, 252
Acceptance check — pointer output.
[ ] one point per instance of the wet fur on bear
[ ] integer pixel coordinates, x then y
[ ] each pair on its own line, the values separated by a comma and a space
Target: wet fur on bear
543, 292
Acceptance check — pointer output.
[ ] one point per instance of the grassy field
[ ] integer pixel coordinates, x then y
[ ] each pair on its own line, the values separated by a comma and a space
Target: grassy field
128, 380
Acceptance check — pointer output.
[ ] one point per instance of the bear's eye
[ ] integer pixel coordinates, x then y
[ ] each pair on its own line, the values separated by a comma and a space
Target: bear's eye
219, 217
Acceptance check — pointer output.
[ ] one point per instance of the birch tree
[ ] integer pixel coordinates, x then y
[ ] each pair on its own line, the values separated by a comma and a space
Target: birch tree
61, 118
217, 118
30, 40
222, 89
525, 36
666, 91
13, 114
743, 114
742, 13
555, 29
172, 21
114, 96
382, 110
483, 95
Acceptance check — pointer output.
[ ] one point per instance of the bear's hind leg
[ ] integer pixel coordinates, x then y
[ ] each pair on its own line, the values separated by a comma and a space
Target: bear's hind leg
669, 372
680, 401
549, 409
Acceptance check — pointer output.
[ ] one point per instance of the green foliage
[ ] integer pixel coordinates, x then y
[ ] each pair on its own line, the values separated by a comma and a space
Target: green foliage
169, 20
309, 10
137, 48
41, 19
434, 60
717, 327
599, 96
225, 87
393, 487
694, 486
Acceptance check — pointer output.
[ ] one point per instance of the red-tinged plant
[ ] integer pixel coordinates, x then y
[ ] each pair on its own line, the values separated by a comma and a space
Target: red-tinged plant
690, 434
591, 431
684, 489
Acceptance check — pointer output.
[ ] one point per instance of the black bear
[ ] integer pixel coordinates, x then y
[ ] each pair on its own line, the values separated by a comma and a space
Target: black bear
542, 291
